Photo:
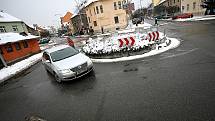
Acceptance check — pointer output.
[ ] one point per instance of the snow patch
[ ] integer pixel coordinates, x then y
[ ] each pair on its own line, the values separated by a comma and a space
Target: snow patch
174, 43
14, 37
12, 70
5, 17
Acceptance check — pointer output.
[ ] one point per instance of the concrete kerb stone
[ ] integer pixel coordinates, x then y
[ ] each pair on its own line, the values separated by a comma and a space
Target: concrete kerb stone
174, 44
4, 80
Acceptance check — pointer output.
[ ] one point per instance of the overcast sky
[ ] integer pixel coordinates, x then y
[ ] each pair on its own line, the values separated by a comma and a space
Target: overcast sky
44, 12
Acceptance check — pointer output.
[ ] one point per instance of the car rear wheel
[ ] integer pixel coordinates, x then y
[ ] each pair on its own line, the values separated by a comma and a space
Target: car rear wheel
57, 78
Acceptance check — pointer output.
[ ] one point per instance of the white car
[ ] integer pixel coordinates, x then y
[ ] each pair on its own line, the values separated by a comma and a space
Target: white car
66, 63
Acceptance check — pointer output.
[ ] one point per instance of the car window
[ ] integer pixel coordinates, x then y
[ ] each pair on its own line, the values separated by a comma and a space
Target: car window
63, 53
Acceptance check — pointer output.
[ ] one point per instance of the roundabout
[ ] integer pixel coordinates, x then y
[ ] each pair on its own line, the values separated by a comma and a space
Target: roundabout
127, 46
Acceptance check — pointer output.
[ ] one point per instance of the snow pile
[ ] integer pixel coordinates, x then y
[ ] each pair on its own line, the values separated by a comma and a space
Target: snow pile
131, 27
10, 71
104, 45
173, 44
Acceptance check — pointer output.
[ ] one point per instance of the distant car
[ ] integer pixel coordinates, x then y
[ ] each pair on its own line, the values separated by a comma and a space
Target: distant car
159, 17
184, 15
66, 63
136, 20
163, 16
44, 41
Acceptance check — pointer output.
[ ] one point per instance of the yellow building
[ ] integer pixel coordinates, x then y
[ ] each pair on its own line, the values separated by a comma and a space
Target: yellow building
106, 15
155, 2
192, 6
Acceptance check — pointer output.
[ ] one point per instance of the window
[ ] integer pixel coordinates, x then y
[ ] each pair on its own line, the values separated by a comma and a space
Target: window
90, 12
9, 48
2, 29
182, 8
17, 45
168, 3
188, 7
116, 19
120, 4
115, 6
101, 9
25, 44
95, 23
174, 1
97, 9
15, 29
194, 5
124, 2
1, 51
89, 20
94, 11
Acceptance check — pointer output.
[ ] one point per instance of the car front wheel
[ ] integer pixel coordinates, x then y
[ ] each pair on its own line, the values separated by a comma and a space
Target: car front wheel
57, 78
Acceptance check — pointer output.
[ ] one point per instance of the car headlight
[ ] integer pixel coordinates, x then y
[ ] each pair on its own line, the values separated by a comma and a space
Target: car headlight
65, 71
89, 62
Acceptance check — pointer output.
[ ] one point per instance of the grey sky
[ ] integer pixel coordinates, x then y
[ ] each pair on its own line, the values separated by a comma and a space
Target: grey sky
44, 12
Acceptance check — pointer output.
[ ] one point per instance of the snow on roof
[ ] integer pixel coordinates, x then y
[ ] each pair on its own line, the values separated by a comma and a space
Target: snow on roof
4, 17
14, 37
161, 2
89, 2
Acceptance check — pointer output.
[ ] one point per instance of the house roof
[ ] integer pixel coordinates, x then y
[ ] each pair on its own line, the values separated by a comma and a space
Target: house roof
14, 37
89, 2
162, 1
5, 17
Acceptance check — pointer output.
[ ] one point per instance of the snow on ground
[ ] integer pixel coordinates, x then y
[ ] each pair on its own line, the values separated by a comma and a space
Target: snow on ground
174, 43
10, 71
131, 27
109, 44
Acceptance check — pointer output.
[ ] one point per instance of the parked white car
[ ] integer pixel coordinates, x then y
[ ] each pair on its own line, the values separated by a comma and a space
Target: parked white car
66, 63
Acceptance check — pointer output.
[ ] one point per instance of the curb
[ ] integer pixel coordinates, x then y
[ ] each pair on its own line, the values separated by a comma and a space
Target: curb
151, 53
2, 81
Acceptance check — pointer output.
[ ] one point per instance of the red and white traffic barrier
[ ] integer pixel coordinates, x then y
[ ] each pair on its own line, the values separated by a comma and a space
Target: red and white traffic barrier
129, 41
152, 36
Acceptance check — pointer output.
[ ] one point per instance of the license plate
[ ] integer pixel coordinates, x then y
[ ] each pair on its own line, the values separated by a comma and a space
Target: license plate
81, 71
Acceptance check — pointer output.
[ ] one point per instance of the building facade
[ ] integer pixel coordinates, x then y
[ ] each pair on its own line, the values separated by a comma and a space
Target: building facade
171, 7
9, 23
192, 6
156, 2
15, 46
181, 6
79, 22
66, 23
209, 5
15, 41
106, 15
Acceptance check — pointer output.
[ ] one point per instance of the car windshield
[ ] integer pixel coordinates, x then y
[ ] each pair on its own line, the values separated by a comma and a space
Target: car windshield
63, 53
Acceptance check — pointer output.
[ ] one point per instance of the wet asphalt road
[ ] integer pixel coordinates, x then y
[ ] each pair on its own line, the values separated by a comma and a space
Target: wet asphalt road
178, 85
